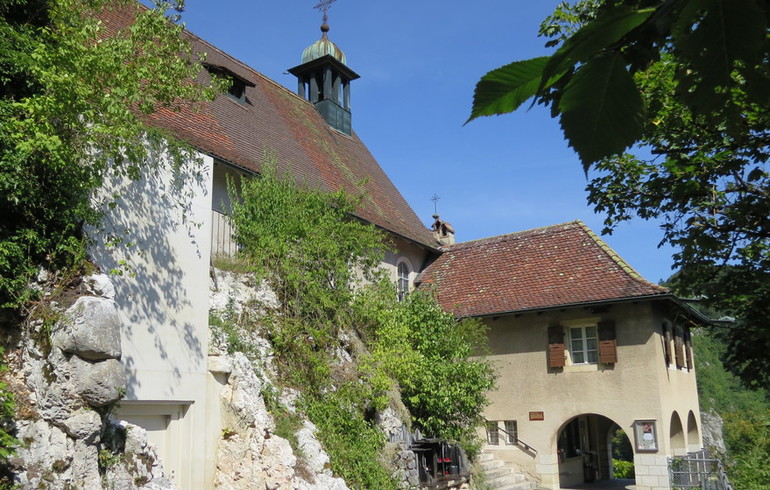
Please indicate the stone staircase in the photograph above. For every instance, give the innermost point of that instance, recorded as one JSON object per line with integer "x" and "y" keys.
{"x": 500, "y": 476}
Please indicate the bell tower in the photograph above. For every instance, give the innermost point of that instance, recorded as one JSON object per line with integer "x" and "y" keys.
{"x": 324, "y": 79}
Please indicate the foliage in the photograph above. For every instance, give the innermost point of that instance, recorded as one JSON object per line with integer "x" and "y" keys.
{"x": 748, "y": 441}
{"x": 718, "y": 389}
{"x": 323, "y": 265}
{"x": 72, "y": 100}
{"x": 623, "y": 469}
{"x": 745, "y": 413}
{"x": 305, "y": 244}
{"x": 688, "y": 82}
{"x": 353, "y": 443}
{"x": 621, "y": 446}
{"x": 720, "y": 47}
{"x": 8, "y": 443}
{"x": 430, "y": 354}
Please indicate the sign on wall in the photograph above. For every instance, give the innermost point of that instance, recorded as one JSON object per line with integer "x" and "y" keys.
{"x": 536, "y": 416}
{"x": 646, "y": 436}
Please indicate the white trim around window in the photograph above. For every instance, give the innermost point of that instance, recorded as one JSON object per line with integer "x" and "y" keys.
{"x": 584, "y": 344}
{"x": 403, "y": 278}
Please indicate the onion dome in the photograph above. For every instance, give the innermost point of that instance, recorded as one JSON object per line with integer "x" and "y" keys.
{"x": 323, "y": 47}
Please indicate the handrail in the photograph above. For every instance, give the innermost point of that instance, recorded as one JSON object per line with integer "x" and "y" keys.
{"x": 518, "y": 441}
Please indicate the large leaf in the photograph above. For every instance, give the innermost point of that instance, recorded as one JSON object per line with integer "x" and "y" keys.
{"x": 601, "y": 109}
{"x": 595, "y": 36}
{"x": 503, "y": 90}
{"x": 714, "y": 35}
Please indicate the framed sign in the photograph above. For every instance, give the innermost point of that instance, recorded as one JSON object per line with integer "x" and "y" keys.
{"x": 536, "y": 416}
{"x": 646, "y": 436}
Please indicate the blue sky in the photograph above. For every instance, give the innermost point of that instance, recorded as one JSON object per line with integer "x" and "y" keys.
{"x": 419, "y": 62}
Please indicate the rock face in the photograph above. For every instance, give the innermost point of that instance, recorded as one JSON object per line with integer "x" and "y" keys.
{"x": 71, "y": 379}
{"x": 250, "y": 454}
{"x": 713, "y": 437}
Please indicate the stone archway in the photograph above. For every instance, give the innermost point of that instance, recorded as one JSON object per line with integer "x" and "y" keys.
{"x": 584, "y": 448}
{"x": 676, "y": 436}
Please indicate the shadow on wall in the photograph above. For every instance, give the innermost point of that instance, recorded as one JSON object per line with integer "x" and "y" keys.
{"x": 155, "y": 245}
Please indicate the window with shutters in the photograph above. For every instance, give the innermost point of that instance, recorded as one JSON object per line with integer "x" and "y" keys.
{"x": 584, "y": 345}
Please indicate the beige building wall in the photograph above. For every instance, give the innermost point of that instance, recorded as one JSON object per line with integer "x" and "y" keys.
{"x": 638, "y": 387}
{"x": 157, "y": 241}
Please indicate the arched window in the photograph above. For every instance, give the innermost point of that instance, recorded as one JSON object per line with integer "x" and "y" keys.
{"x": 402, "y": 284}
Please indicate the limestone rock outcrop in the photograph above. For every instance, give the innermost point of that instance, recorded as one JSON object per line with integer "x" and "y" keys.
{"x": 69, "y": 381}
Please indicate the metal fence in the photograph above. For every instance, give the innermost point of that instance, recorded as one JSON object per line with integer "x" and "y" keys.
{"x": 697, "y": 470}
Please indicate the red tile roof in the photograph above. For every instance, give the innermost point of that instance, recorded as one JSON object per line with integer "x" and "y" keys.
{"x": 557, "y": 265}
{"x": 275, "y": 119}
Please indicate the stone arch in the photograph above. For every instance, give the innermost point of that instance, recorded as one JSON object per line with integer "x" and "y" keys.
{"x": 676, "y": 436}
{"x": 693, "y": 434}
{"x": 584, "y": 448}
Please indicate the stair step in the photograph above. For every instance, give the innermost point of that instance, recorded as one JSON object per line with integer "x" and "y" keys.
{"x": 510, "y": 477}
{"x": 491, "y": 465}
{"x": 498, "y": 473}
{"x": 485, "y": 457}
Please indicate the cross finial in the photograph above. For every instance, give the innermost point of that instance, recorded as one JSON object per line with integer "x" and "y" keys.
{"x": 435, "y": 200}
{"x": 323, "y": 6}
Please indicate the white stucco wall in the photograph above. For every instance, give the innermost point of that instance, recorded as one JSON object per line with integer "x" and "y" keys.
{"x": 161, "y": 266}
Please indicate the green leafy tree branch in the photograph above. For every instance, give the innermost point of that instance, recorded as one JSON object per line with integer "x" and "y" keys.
{"x": 74, "y": 94}
{"x": 687, "y": 83}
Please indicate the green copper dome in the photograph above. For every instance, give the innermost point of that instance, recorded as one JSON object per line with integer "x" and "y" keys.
{"x": 323, "y": 47}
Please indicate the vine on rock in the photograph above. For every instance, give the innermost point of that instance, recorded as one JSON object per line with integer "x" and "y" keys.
{"x": 324, "y": 266}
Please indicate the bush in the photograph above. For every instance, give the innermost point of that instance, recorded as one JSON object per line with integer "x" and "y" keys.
{"x": 623, "y": 469}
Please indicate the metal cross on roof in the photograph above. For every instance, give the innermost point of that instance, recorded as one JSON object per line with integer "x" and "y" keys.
{"x": 323, "y": 6}
{"x": 435, "y": 200}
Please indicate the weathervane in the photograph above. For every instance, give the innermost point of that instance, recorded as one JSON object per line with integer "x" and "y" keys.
{"x": 435, "y": 199}
{"x": 323, "y": 6}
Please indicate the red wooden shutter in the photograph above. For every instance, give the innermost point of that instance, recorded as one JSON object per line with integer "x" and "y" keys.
{"x": 667, "y": 338}
{"x": 608, "y": 348}
{"x": 688, "y": 350}
{"x": 556, "y": 355}
{"x": 679, "y": 346}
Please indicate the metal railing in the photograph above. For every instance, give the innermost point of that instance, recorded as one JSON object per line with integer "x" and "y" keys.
{"x": 698, "y": 470}
{"x": 514, "y": 440}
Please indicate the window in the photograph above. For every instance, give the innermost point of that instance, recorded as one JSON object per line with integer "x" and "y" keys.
{"x": 584, "y": 346}
{"x": 237, "y": 84}
{"x": 402, "y": 286}
{"x": 511, "y": 432}
{"x": 493, "y": 434}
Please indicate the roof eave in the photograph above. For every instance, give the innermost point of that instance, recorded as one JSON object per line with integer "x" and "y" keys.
{"x": 627, "y": 299}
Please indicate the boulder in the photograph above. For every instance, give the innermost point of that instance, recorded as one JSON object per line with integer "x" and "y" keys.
{"x": 90, "y": 329}
{"x": 98, "y": 383}
{"x": 84, "y": 424}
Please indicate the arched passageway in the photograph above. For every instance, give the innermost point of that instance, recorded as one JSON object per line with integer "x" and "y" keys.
{"x": 586, "y": 446}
